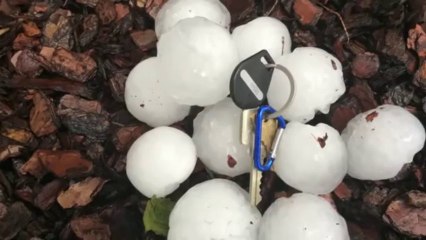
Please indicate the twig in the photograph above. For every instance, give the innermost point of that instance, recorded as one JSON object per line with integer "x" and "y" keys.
{"x": 340, "y": 18}
{"x": 272, "y": 8}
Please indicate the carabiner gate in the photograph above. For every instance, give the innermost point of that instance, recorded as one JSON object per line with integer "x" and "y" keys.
{"x": 257, "y": 154}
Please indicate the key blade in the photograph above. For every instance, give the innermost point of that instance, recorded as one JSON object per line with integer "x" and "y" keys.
{"x": 255, "y": 181}
{"x": 247, "y": 126}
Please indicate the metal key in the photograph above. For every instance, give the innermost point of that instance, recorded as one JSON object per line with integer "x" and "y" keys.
{"x": 268, "y": 138}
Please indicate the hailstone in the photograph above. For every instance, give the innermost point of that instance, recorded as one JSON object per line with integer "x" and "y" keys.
{"x": 160, "y": 160}
{"x": 215, "y": 209}
{"x": 198, "y": 58}
{"x": 312, "y": 159}
{"x": 175, "y": 10}
{"x": 302, "y": 217}
{"x": 145, "y": 99}
{"x": 262, "y": 33}
{"x": 381, "y": 141}
{"x": 217, "y": 138}
{"x": 318, "y": 83}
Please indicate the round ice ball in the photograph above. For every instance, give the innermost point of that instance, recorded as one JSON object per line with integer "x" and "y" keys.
{"x": 145, "y": 99}
{"x": 217, "y": 138}
{"x": 198, "y": 57}
{"x": 262, "y": 33}
{"x": 312, "y": 159}
{"x": 381, "y": 141}
{"x": 160, "y": 160}
{"x": 175, "y": 10}
{"x": 215, "y": 209}
{"x": 318, "y": 83}
{"x": 302, "y": 217}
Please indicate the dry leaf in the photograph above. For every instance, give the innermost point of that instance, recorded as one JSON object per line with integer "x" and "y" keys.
{"x": 81, "y": 193}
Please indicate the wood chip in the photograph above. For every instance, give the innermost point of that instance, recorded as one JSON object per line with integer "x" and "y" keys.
{"x": 5, "y": 110}
{"x": 240, "y": 10}
{"x": 22, "y": 41}
{"x": 90, "y": 3}
{"x": 26, "y": 64}
{"x": 420, "y": 76}
{"x": 43, "y": 120}
{"x": 106, "y": 11}
{"x": 79, "y": 67}
{"x": 18, "y": 134}
{"x": 31, "y": 29}
{"x": 90, "y": 228}
{"x": 153, "y": 6}
{"x": 57, "y": 31}
{"x": 405, "y": 218}
{"x": 417, "y": 199}
{"x": 81, "y": 193}
{"x": 83, "y": 117}
{"x": 125, "y": 136}
{"x": 306, "y": 12}
{"x": 90, "y": 29}
{"x": 48, "y": 194}
{"x": 11, "y": 151}
{"x": 365, "y": 65}
{"x": 122, "y": 10}
{"x": 117, "y": 84}
{"x": 15, "y": 220}
{"x": 66, "y": 163}
{"x": 145, "y": 40}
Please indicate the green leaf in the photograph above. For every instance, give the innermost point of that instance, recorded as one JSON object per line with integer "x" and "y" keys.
{"x": 156, "y": 215}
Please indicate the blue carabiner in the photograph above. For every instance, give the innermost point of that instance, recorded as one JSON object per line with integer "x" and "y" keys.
{"x": 257, "y": 154}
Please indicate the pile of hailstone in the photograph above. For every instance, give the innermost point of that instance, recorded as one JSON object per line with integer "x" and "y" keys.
{"x": 197, "y": 54}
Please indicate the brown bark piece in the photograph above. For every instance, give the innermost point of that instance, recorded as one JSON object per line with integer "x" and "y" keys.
{"x": 106, "y": 11}
{"x": 145, "y": 40}
{"x": 365, "y": 96}
{"x": 117, "y": 84}
{"x": 90, "y": 3}
{"x": 5, "y": 110}
{"x": 26, "y": 64}
{"x": 56, "y": 84}
{"x": 125, "y": 136}
{"x": 81, "y": 193}
{"x": 417, "y": 40}
{"x": 304, "y": 38}
{"x": 343, "y": 111}
{"x": 153, "y": 6}
{"x": 365, "y": 65}
{"x": 11, "y": 151}
{"x": 16, "y": 219}
{"x": 406, "y": 219}
{"x": 394, "y": 45}
{"x": 22, "y": 41}
{"x": 420, "y": 76}
{"x": 90, "y": 228}
{"x": 417, "y": 199}
{"x": 43, "y": 120}
{"x": 240, "y": 10}
{"x": 57, "y": 31}
{"x": 31, "y": 29}
{"x": 122, "y": 10}
{"x": 343, "y": 192}
{"x": 48, "y": 194}
{"x": 61, "y": 163}
{"x": 90, "y": 29}
{"x": 307, "y": 12}
{"x": 79, "y": 67}
{"x": 17, "y": 134}
{"x": 83, "y": 117}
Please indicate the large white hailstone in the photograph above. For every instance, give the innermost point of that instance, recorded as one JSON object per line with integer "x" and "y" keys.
{"x": 215, "y": 209}
{"x": 160, "y": 160}
{"x": 145, "y": 99}
{"x": 318, "y": 83}
{"x": 381, "y": 141}
{"x": 175, "y": 10}
{"x": 262, "y": 33}
{"x": 312, "y": 159}
{"x": 217, "y": 138}
{"x": 198, "y": 58}
{"x": 302, "y": 217}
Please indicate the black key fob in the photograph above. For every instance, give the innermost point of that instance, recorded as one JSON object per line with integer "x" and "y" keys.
{"x": 251, "y": 79}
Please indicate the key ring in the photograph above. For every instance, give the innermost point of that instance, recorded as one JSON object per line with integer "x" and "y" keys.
{"x": 257, "y": 154}
{"x": 292, "y": 87}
